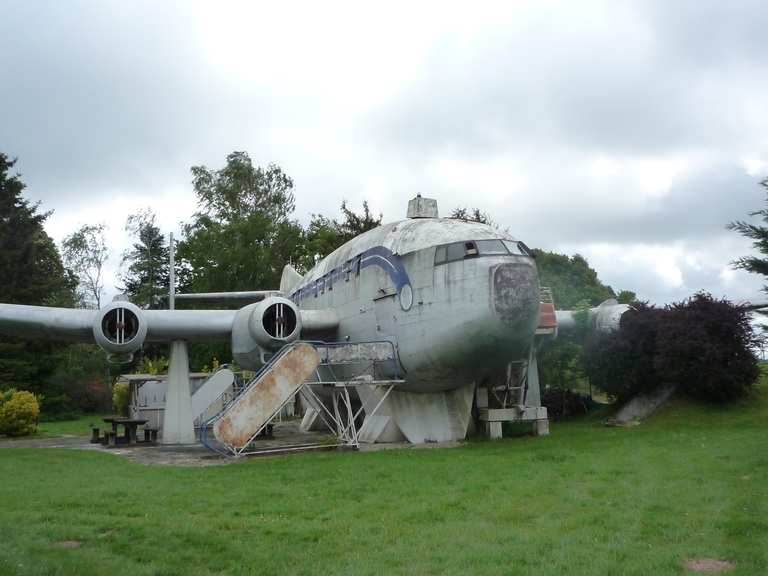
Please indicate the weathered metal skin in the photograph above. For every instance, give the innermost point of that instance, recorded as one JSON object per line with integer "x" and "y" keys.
{"x": 249, "y": 336}
{"x": 120, "y": 328}
{"x": 461, "y": 322}
{"x": 257, "y": 404}
{"x": 452, "y": 323}
{"x": 515, "y": 294}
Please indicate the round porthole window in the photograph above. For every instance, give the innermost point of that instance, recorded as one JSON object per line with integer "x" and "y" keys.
{"x": 406, "y": 297}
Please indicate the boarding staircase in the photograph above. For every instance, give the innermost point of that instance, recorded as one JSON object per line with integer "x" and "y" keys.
{"x": 300, "y": 367}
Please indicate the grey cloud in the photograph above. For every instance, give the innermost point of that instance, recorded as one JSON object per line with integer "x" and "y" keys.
{"x": 103, "y": 98}
{"x": 645, "y": 82}
{"x": 696, "y": 208}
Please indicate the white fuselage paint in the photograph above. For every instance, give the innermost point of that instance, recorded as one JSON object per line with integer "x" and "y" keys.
{"x": 452, "y": 324}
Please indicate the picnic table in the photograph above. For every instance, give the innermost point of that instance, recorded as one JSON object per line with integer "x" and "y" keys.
{"x": 129, "y": 425}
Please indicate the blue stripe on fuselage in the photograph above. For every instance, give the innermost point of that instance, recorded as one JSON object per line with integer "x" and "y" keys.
{"x": 379, "y": 256}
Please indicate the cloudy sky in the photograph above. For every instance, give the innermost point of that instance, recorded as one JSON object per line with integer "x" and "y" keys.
{"x": 629, "y": 132}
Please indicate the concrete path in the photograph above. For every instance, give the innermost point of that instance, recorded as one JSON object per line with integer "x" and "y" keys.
{"x": 286, "y": 433}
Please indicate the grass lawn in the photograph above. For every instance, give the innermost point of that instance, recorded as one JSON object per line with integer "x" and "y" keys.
{"x": 692, "y": 482}
{"x": 79, "y": 427}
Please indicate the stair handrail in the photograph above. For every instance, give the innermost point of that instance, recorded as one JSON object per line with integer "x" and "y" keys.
{"x": 263, "y": 369}
{"x": 227, "y": 405}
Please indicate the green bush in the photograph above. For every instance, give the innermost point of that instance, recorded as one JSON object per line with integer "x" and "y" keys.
{"x": 56, "y": 407}
{"x": 120, "y": 398}
{"x": 563, "y": 403}
{"x": 19, "y": 411}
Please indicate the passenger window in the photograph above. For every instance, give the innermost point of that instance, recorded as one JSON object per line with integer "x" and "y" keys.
{"x": 358, "y": 262}
{"x": 440, "y": 255}
{"x": 489, "y": 247}
{"x": 471, "y": 248}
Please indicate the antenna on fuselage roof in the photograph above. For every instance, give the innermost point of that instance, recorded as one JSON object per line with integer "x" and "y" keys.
{"x": 422, "y": 207}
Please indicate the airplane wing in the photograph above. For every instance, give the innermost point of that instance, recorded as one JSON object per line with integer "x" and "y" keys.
{"x": 230, "y": 297}
{"x": 45, "y": 322}
{"x": 121, "y": 328}
{"x": 266, "y": 322}
{"x": 80, "y": 325}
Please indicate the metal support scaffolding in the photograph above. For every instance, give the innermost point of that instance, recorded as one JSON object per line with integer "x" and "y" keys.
{"x": 336, "y": 408}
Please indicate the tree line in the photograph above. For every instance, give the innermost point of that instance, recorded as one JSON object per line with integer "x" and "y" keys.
{"x": 242, "y": 234}
{"x": 240, "y": 237}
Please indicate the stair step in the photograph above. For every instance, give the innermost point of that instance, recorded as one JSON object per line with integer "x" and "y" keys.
{"x": 260, "y": 401}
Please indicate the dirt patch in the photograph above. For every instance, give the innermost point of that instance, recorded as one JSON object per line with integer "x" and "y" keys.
{"x": 67, "y": 544}
{"x": 708, "y": 565}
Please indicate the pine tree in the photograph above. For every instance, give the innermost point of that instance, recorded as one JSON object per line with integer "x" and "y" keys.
{"x": 32, "y": 273}
{"x": 146, "y": 279}
{"x": 759, "y": 235}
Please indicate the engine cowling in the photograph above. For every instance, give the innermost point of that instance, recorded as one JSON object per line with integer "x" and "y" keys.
{"x": 604, "y": 319}
{"x": 264, "y": 327}
{"x": 120, "y": 330}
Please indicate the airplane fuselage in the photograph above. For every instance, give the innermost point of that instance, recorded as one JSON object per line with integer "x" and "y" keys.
{"x": 459, "y": 300}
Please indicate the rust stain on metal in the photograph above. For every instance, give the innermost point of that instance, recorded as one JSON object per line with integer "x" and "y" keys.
{"x": 260, "y": 401}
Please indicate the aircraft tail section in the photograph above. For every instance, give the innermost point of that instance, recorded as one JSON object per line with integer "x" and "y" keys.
{"x": 290, "y": 279}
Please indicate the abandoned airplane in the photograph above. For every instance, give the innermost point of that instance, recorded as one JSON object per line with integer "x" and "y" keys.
{"x": 458, "y": 303}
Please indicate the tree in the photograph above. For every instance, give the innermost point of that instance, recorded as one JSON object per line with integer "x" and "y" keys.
{"x": 79, "y": 383}
{"x": 473, "y": 215}
{"x": 703, "y": 345}
{"x": 30, "y": 265}
{"x": 324, "y": 235}
{"x": 242, "y": 236}
{"x": 355, "y": 224}
{"x": 146, "y": 279}
{"x": 575, "y": 286}
{"x": 626, "y": 297}
{"x": 759, "y": 235}
{"x": 85, "y": 252}
{"x": 32, "y": 273}
{"x": 573, "y": 281}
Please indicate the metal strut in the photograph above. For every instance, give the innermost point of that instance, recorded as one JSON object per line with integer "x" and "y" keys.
{"x": 338, "y": 416}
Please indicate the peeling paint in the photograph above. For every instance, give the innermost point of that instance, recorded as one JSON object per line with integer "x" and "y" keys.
{"x": 258, "y": 403}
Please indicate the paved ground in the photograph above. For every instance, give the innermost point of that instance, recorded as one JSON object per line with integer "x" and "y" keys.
{"x": 285, "y": 434}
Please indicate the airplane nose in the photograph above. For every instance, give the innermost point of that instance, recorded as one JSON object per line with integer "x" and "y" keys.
{"x": 515, "y": 295}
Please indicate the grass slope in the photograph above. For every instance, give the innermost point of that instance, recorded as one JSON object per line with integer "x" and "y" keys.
{"x": 693, "y": 482}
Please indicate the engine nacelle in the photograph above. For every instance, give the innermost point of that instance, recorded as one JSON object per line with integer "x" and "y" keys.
{"x": 120, "y": 329}
{"x": 262, "y": 328}
{"x": 604, "y": 319}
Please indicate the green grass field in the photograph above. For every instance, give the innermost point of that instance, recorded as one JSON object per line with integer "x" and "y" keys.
{"x": 79, "y": 427}
{"x": 692, "y": 482}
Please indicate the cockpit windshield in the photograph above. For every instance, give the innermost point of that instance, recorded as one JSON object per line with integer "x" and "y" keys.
{"x": 474, "y": 248}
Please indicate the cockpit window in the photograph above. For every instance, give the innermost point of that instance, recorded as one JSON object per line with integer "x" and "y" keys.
{"x": 518, "y": 248}
{"x": 489, "y": 247}
{"x": 473, "y": 248}
{"x": 454, "y": 251}
{"x": 514, "y": 248}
